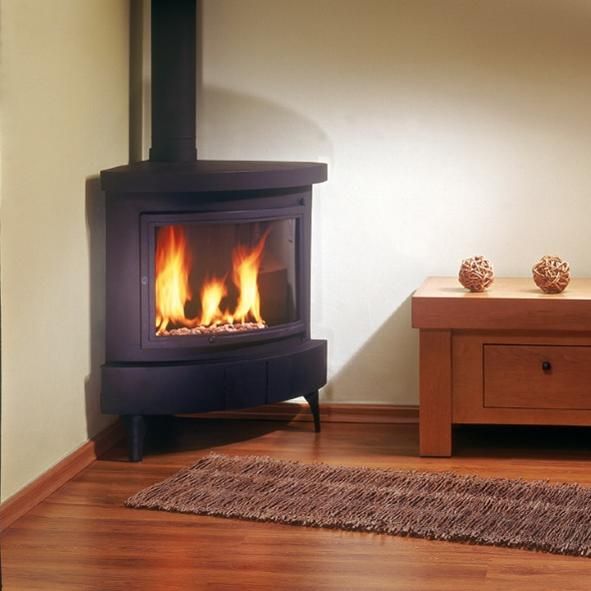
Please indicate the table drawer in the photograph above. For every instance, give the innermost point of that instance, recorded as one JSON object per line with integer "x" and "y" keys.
{"x": 537, "y": 376}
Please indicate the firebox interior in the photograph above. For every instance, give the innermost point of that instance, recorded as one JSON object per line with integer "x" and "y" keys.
{"x": 224, "y": 277}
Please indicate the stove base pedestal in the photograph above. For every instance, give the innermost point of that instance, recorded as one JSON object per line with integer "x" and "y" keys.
{"x": 137, "y": 390}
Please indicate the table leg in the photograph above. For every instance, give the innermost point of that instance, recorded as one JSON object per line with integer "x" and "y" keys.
{"x": 435, "y": 385}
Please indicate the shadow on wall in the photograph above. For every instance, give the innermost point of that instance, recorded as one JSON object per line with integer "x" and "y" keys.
{"x": 387, "y": 361}
{"x": 259, "y": 128}
{"x": 95, "y": 226}
{"x": 233, "y": 125}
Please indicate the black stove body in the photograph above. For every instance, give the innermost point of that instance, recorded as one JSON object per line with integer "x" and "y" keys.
{"x": 206, "y": 356}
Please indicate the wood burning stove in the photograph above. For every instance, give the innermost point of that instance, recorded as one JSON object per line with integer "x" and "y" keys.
{"x": 208, "y": 264}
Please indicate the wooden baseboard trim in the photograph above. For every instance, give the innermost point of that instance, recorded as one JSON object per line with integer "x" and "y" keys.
{"x": 329, "y": 413}
{"x": 38, "y": 490}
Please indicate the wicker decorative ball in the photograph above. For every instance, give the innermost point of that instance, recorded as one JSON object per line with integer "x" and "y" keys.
{"x": 551, "y": 274}
{"x": 476, "y": 273}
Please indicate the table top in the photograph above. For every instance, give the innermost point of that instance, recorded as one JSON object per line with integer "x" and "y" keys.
{"x": 510, "y": 303}
{"x": 503, "y": 288}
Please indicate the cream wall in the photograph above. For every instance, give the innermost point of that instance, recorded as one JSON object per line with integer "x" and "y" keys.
{"x": 64, "y": 84}
{"x": 451, "y": 128}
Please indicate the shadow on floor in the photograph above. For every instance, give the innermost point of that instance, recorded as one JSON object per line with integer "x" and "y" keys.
{"x": 514, "y": 441}
{"x": 170, "y": 434}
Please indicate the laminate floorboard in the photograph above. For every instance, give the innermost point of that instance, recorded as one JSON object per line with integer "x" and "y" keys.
{"x": 82, "y": 538}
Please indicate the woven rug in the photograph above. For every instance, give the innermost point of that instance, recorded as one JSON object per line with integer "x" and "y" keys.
{"x": 442, "y": 506}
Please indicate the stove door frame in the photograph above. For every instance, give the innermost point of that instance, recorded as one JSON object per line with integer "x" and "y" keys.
{"x": 148, "y": 223}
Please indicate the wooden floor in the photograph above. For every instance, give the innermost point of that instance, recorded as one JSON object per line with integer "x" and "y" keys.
{"x": 82, "y": 537}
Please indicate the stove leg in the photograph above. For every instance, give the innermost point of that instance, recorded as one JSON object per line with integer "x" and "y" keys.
{"x": 136, "y": 431}
{"x": 312, "y": 400}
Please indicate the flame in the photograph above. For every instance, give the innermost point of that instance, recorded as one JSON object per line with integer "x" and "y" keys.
{"x": 246, "y": 265}
{"x": 173, "y": 263}
{"x": 173, "y": 290}
{"x": 211, "y": 296}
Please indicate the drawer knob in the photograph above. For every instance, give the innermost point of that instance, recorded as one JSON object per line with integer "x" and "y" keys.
{"x": 546, "y": 365}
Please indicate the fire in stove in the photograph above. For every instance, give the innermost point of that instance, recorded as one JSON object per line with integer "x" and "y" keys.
{"x": 228, "y": 303}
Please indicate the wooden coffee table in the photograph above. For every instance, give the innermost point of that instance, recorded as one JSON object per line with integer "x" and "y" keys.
{"x": 509, "y": 355}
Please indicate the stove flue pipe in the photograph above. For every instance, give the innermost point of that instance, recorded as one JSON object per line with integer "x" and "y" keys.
{"x": 173, "y": 81}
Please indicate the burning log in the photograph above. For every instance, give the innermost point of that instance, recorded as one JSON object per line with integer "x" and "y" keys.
{"x": 214, "y": 330}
